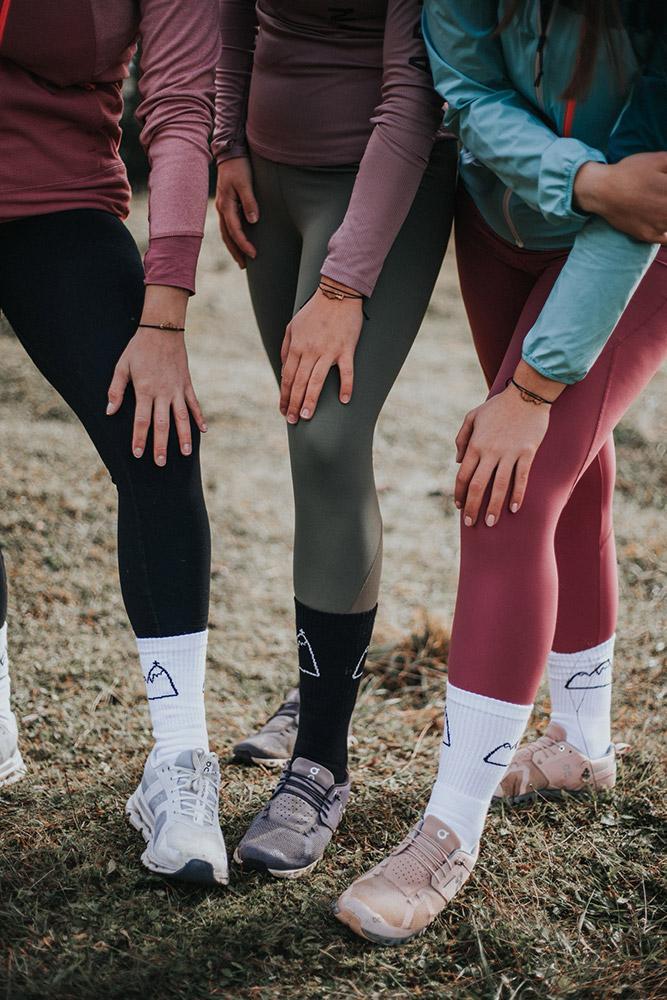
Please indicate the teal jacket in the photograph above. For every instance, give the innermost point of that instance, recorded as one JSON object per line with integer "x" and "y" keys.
{"x": 522, "y": 146}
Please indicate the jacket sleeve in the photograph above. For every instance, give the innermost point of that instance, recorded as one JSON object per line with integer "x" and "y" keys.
{"x": 605, "y": 265}
{"x": 502, "y": 130}
{"x": 179, "y": 51}
{"x": 398, "y": 150}
{"x": 232, "y": 78}
{"x": 492, "y": 120}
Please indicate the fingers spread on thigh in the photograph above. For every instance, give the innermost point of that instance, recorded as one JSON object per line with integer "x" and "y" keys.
{"x": 299, "y": 385}
{"x": 476, "y": 490}
{"x": 501, "y": 483}
{"x": 142, "y": 421}
{"x": 182, "y": 422}
{"x": 464, "y": 475}
{"x": 314, "y": 388}
{"x": 161, "y": 411}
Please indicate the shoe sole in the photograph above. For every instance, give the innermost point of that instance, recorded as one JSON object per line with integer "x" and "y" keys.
{"x": 12, "y": 770}
{"x": 356, "y": 922}
{"x": 260, "y": 866}
{"x": 196, "y": 871}
{"x": 247, "y": 758}
{"x": 551, "y": 795}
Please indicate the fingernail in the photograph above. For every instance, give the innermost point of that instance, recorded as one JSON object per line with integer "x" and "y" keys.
{"x": 109, "y": 408}
{"x": 458, "y": 504}
{"x": 305, "y": 413}
{"x": 490, "y": 520}
{"x": 161, "y": 460}
{"x": 252, "y": 217}
{"x": 514, "y": 508}
{"x": 291, "y": 418}
{"x": 345, "y": 399}
{"x": 283, "y": 410}
{"x": 187, "y": 449}
{"x": 138, "y": 452}
{"x": 204, "y": 428}
{"x": 467, "y": 520}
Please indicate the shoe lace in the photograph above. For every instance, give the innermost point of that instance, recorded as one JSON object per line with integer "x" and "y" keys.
{"x": 197, "y": 791}
{"x": 306, "y": 789}
{"x": 428, "y": 853}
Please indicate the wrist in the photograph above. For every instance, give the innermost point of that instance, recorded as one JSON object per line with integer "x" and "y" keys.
{"x": 536, "y": 383}
{"x": 165, "y": 305}
{"x": 588, "y": 193}
{"x": 340, "y": 286}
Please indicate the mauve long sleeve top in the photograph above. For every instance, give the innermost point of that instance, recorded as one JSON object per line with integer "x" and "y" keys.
{"x": 311, "y": 84}
{"x": 62, "y": 63}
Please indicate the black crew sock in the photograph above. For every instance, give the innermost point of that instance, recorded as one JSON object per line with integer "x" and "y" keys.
{"x": 332, "y": 653}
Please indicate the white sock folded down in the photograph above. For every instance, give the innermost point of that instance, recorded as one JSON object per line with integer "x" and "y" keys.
{"x": 580, "y": 689}
{"x": 480, "y": 738}
{"x": 174, "y": 670}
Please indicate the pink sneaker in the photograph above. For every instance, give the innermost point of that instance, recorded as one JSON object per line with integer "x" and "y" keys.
{"x": 402, "y": 895}
{"x": 550, "y": 766}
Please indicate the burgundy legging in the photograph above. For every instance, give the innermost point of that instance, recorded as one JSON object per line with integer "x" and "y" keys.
{"x": 545, "y": 578}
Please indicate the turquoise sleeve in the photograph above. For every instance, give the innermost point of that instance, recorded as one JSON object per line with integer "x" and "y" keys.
{"x": 489, "y": 116}
{"x": 589, "y": 297}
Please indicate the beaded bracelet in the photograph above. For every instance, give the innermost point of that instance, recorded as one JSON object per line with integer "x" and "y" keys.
{"x": 162, "y": 326}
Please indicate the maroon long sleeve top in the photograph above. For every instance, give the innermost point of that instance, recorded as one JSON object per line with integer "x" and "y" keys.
{"x": 62, "y": 63}
{"x": 311, "y": 84}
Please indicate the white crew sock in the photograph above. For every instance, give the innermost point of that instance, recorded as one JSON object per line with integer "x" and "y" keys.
{"x": 174, "y": 669}
{"x": 580, "y": 687}
{"x": 5, "y": 686}
{"x": 480, "y": 737}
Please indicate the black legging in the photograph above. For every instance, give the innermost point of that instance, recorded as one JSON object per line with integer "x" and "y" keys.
{"x": 71, "y": 285}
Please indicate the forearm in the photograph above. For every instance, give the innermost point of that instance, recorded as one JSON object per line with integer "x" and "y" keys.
{"x": 165, "y": 305}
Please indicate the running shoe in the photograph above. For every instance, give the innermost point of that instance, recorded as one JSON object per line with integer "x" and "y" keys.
{"x": 175, "y": 808}
{"x": 549, "y": 767}
{"x": 291, "y": 833}
{"x": 12, "y": 768}
{"x": 273, "y": 744}
{"x": 401, "y": 896}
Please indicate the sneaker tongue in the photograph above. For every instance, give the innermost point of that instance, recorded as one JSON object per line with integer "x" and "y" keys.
{"x": 313, "y": 771}
{"x": 555, "y": 732}
{"x": 191, "y": 759}
{"x": 440, "y": 834}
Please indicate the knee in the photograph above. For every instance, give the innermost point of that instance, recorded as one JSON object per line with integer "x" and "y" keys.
{"x": 325, "y": 452}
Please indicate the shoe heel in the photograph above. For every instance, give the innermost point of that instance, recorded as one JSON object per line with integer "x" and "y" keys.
{"x": 13, "y": 770}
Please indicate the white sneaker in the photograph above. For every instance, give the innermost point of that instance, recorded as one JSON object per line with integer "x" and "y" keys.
{"x": 12, "y": 767}
{"x": 176, "y": 809}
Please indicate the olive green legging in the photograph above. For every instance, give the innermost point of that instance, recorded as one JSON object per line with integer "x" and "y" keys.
{"x": 338, "y": 530}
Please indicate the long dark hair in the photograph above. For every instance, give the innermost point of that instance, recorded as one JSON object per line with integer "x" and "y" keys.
{"x": 599, "y": 18}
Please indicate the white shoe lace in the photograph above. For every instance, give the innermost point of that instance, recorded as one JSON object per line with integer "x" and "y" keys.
{"x": 198, "y": 791}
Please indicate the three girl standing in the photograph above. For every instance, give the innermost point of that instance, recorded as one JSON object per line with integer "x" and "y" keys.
{"x": 326, "y": 136}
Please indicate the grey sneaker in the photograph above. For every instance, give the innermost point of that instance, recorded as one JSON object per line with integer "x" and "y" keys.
{"x": 291, "y": 833}
{"x": 273, "y": 744}
{"x": 175, "y": 808}
{"x": 12, "y": 767}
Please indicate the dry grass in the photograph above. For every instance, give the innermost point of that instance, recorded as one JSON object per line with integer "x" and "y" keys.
{"x": 567, "y": 901}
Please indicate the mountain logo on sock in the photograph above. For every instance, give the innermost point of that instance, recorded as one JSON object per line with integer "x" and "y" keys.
{"x": 359, "y": 669}
{"x": 501, "y": 755}
{"x": 447, "y": 738}
{"x": 590, "y": 680}
{"x": 302, "y": 641}
{"x": 3, "y": 666}
{"x": 159, "y": 683}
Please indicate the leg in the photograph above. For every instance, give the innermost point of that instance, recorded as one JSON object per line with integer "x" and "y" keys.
{"x": 71, "y": 285}
{"x": 338, "y": 525}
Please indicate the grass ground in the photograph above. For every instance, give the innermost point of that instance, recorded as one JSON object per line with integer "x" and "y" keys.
{"x": 566, "y": 901}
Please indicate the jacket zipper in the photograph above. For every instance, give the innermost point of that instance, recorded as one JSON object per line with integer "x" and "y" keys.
{"x": 508, "y": 217}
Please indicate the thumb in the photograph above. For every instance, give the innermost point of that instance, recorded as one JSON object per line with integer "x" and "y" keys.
{"x": 121, "y": 377}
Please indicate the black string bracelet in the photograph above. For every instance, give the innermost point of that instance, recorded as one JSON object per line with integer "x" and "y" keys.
{"x": 527, "y": 395}
{"x": 332, "y": 292}
{"x": 162, "y": 326}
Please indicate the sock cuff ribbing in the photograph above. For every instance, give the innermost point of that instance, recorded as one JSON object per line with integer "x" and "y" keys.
{"x": 491, "y": 706}
{"x": 605, "y": 650}
{"x": 191, "y": 642}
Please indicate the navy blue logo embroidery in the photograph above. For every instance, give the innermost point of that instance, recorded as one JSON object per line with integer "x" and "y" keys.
{"x": 447, "y": 738}
{"x": 590, "y": 680}
{"x": 502, "y": 755}
{"x": 304, "y": 666}
{"x": 159, "y": 683}
{"x": 4, "y": 670}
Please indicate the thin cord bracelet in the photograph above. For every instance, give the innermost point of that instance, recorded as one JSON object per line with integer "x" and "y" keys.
{"x": 527, "y": 395}
{"x": 332, "y": 292}
{"x": 162, "y": 326}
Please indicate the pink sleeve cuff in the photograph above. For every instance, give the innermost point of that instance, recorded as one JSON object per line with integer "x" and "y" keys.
{"x": 172, "y": 260}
